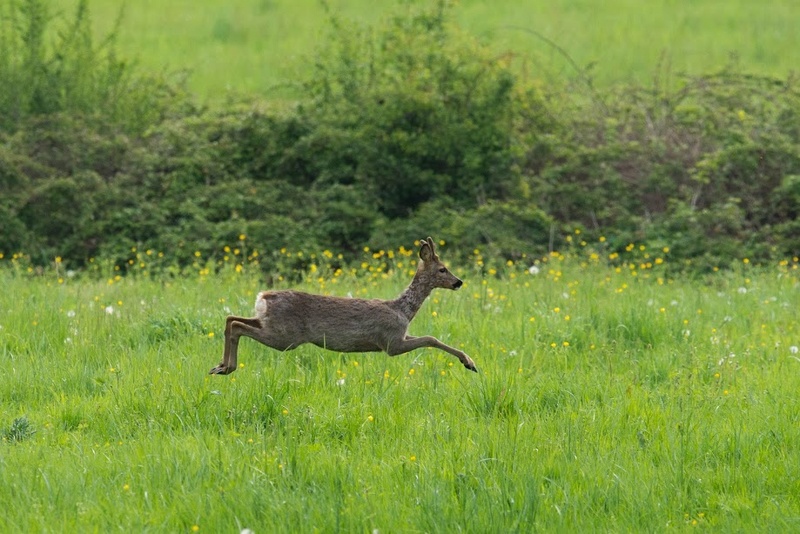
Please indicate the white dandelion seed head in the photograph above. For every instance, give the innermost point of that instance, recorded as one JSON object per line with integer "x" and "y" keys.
{"x": 742, "y": 290}
{"x": 109, "y": 310}
{"x": 340, "y": 382}
{"x": 71, "y": 314}
{"x": 534, "y": 270}
{"x": 793, "y": 349}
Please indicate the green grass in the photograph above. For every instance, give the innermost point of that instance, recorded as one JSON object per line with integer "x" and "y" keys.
{"x": 267, "y": 47}
{"x": 608, "y": 400}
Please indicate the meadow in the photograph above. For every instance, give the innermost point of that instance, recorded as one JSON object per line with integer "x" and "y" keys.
{"x": 267, "y": 47}
{"x": 619, "y": 388}
{"x": 613, "y": 395}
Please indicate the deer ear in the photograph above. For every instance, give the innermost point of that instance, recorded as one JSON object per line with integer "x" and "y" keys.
{"x": 431, "y": 250}
{"x": 425, "y": 251}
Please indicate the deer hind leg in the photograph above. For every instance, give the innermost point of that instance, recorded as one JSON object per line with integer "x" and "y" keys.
{"x": 410, "y": 343}
{"x": 236, "y": 327}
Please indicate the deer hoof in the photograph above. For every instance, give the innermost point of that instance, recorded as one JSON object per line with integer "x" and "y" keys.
{"x": 471, "y": 366}
{"x": 220, "y": 370}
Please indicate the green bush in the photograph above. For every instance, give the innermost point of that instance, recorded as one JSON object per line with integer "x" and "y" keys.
{"x": 414, "y": 111}
{"x": 501, "y": 230}
{"x": 14, "y": 183}
{"x": 59, "y": 213}
{"x": 407, "y": 129}
{"x": 648, "y": 161}
{"x": 48, "y": 68}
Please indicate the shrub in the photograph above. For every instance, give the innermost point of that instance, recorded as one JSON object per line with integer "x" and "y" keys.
{"x": 14, "y": 183}
{"x": 415, "y": 111}
{"x": 72, "y": 74}
{"x": 406, "y": 130}
{"x": 501, "y": 230}
{"x": 647, "y": 161}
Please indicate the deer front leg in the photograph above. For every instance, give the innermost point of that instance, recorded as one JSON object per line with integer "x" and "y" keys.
{"x": 235, "y": 327}
{"x": 410, "y": 343}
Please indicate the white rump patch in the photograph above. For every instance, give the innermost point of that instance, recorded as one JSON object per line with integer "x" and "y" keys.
{"x": 261, "y": 305}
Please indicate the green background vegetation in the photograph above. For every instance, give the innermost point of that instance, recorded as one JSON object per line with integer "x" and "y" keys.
{"x": 399, "y": 128}
{"x": 607, "y": 203}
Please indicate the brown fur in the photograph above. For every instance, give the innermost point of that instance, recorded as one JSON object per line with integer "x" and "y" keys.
{"x": 287, "y": 319}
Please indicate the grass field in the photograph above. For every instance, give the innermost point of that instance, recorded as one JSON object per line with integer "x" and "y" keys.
{"x": 266, "y": 47}
{"x": 609, "y": 399}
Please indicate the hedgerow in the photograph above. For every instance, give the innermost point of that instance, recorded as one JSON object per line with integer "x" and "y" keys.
{"x": 406, "y": 129}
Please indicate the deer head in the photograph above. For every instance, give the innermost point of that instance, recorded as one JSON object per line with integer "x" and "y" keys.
{"x": 433, "y": 272}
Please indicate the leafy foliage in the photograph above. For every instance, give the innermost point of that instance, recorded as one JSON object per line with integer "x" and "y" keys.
{"x": 42, "y": 76}
{"x": 425, "y": 109}
{"x": 406, "y": 129}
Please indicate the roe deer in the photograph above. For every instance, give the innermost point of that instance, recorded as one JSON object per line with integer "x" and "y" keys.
{"x": 287, "y": 319}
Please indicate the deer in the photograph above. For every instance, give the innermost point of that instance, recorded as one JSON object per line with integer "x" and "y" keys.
{"x": 286, "y": 319}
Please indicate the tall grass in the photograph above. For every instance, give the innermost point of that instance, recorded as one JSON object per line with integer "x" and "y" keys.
{"x": 268, "y": 47}
{"x": 610, "y": 397}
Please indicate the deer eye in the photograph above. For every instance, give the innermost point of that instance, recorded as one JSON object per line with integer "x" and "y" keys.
{"x": 443, "y": 270}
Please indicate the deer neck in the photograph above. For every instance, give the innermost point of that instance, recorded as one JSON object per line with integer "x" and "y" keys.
{"x": 410, "y": 301}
